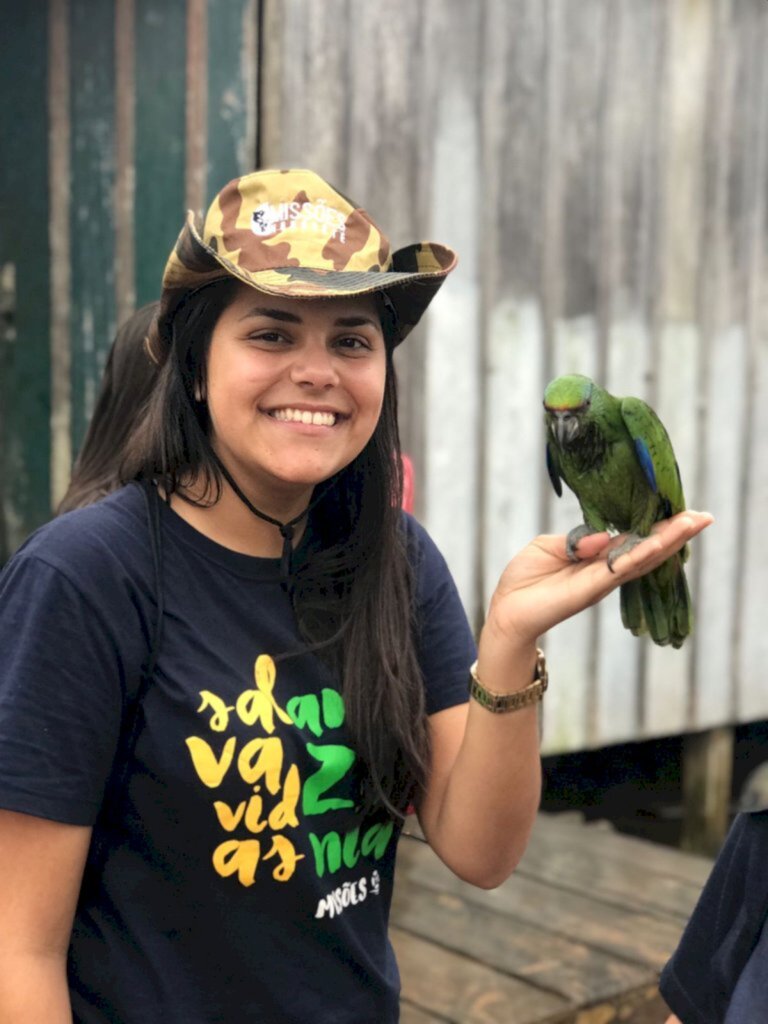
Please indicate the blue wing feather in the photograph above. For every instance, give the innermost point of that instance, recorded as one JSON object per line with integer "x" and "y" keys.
{"x": 653, "y": 451}
{"x": 645, "y": 460}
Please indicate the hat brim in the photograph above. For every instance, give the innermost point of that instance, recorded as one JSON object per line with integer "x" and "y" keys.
{"x": 417, "y": 272}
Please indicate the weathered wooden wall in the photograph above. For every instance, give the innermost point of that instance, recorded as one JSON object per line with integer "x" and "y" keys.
{"x": 601, "y": 168}
{"x": 116, "y": 117}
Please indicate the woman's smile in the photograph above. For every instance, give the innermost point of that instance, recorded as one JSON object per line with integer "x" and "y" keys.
{"x": 306, "y": 416}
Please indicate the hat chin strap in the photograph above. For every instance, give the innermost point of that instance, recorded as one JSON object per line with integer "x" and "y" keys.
{"x": 286, "y": 529}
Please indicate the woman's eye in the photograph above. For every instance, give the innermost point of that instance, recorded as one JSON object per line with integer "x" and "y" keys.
{"x": 268, "y": 337}
{"x": 353, "y": 344}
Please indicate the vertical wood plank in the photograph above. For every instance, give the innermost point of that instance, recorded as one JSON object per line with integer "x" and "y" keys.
{"x": 515, "y": 445}
{"x": 453, "y": 388}
{"x": 744, "y": 27}
{"x": 565, "y": 719}
{"x": 623, "y": 342}
{"x": 512, "y": 440}
{"x": 272, "y": 125}
{"x": 159, "y": 211}
{"x": 307, "y": 89}
{"x": 125, "y": 167}
{"x": 390, "y": 156}
{"x": 232, "y": 92}
{"x": 92, "y": 222}
{"x": 674, "y": 359}
{"x": 676, "y": 326}
{"x": 7, "y": 341}
{"x": 751, "y": 640}
{"x": 752, "y": 650}
{"x": 24, "y": 255}
{"x": 196, "y": 121}
{"x": 59, "y": 142}
{"x": 575, "y": 58}
{"x": 723, "y": 386}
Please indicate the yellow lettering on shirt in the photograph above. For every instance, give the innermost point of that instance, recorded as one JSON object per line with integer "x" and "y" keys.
{"x": 259, "y": 705}
{"x": 283, "y": 848}
{"x": 237, "y": 857}
{"x": 262, "y": 759}
{"x": 211, "y": 769}
{"x": 229, "y": 819}
{"x": 284, "y": 814}
{"x": 220, "y": 718}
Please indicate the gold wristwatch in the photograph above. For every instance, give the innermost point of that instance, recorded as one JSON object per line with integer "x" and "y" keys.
{"x": 500, "y": 703}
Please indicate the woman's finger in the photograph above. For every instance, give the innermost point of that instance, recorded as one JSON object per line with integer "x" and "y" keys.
{"x": 667, "y": 537}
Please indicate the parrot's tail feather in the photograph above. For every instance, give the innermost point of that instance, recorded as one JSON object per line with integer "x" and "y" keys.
{"x": 632, "y": 614}
{"x": 659, "y": 612}
{"x": 659, "y": 604}
{"x": 683, "y": 609}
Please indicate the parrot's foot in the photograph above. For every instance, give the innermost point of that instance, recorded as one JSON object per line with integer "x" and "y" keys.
{"x": 574, "y": 536}
{"x": 629, "y": 542}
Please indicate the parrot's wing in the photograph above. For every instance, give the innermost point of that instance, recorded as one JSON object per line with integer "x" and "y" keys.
{"x": 654, "y": 452}
{"x": 553, "y": 468}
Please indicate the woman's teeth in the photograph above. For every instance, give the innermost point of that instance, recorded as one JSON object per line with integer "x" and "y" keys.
{"x": 317, "y": 419}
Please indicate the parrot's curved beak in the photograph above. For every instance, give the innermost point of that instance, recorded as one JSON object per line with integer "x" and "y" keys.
{"x": 565, "y": 426}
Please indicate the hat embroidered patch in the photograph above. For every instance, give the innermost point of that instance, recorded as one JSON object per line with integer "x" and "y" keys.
{"x": 267, "y": 219}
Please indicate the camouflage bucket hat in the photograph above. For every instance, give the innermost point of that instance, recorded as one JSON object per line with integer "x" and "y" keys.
{"x": 290, "y": 233}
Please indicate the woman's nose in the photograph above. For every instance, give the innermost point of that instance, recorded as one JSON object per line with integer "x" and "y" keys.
{"x": 313, "y": 366}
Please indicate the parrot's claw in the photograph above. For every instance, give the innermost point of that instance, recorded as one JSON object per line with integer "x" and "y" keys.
{"x": 574, "y": 536}
{"x": 629, "y": 542}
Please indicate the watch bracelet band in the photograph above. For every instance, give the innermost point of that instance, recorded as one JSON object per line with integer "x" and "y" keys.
{"x": 501, "y": 703}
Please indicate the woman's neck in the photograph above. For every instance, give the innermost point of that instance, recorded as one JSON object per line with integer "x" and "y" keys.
{"x": 231, "y": 523}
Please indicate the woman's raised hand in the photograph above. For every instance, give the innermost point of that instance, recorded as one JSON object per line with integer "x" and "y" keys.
{"x": 541, "y": 586}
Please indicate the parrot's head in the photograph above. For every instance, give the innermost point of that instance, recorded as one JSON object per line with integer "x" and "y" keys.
{"x": 567, "y": 404}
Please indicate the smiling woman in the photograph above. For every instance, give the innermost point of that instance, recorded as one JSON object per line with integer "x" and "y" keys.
{"x": 244, "y": 697}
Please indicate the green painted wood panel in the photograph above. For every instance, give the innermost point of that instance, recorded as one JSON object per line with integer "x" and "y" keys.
{"x": 160, "y": 138}
{"x": 24, "y": 358}
{"x": 92, "y": 227}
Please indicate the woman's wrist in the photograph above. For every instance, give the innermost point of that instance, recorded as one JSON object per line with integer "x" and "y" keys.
{"x": 516, "y": 700}
{"x": 504, "y": 666}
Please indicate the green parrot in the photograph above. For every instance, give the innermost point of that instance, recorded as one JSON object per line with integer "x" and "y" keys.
{"x": 616, "y": 457}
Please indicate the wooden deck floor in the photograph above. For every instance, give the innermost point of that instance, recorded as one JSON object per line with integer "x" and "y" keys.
{"x": 578, "y": 934}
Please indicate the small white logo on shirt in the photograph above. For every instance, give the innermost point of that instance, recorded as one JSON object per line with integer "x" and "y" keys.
{"x": 348, "y": 894}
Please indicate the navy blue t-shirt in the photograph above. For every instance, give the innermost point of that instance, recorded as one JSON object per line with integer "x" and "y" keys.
{"x": 719, "y": 972}
{"x": 237, "y": 879}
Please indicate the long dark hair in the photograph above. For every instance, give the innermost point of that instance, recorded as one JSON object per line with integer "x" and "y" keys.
{"x": 353, "y": 596}
{"x": 128, "y": 378}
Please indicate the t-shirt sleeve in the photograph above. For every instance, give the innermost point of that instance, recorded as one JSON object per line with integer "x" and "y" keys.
{"x": 699, "y": 980}
{"x": 61, "y": 687}
{"x": 446, "y": 644}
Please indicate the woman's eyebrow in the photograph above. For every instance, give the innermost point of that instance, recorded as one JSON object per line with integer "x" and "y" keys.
{"x": 358, "y": 320}
{"x": 273, "y": 314}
